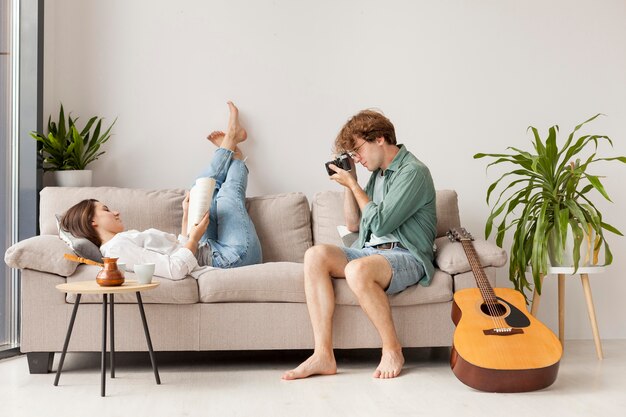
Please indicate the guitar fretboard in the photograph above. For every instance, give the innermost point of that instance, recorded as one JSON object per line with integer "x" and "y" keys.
{"x": 481, "y": 279}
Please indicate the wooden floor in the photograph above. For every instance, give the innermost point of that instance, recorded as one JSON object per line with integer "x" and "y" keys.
{"x": 249, "y": 384}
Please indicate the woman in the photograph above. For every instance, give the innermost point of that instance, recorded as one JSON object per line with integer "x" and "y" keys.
{"x": 224, "y": 238}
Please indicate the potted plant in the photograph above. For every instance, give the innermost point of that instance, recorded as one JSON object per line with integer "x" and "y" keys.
{"x": 67, "y": 150}
{"x": 545, "y": 198}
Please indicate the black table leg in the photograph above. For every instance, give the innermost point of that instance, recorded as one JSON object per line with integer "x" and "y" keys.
{"x": 104, "y": 346}
{"x": 112, "y": 334}
{"x": 147, "y": 332}
{"x": 67, "y": 339}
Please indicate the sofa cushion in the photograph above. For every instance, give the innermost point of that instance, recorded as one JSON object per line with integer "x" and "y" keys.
{"x": 184, "y": 291}
{"x": 283, "y": 224}
{"x": 267, "y": 282}
{"x": 327, "y": 214}
{"x": 41, "y": 253}
{"x": 139, "y": 209}
{"x": 284, "y": 282}
{"x": 450, "y": 256}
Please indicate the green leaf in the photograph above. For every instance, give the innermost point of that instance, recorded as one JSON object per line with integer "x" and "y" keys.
{"x": 611, "y": 229}
{"x": 66, "y": 146}
{"x": 595, "y": 181}
{"x": 552, "y": 193}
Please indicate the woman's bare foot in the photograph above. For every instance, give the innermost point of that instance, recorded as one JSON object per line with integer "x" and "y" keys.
{"x": 217, "y": 138}
{"x": 390, "y": 364}
{"x": 235, "y": 133}
{"x": 317, "y": 364}
{"x": 235, "y": 130}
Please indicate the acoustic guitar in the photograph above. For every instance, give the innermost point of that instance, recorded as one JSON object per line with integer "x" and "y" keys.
{"x": 498, "y": 346}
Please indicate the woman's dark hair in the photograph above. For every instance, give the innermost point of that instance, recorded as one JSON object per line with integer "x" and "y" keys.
{"x": 77, "y": 220}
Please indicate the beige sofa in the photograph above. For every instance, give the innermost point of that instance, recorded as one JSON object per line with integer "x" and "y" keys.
{"x": 255, "y": 307}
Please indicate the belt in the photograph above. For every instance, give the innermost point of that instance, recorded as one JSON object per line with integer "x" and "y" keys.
{"x": 388, "y": 246}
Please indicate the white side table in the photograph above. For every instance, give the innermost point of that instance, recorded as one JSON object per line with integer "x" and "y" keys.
{"x": 584, "y": 273}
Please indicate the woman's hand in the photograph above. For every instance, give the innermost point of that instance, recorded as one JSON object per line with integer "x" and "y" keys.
{"x": 198, "y": 229}
{"x": 186, "y": 204}
{"x": 183, "y": 226}
{"x": 196, "y": 233}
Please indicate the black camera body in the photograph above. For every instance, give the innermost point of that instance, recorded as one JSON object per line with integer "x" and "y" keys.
{"x": 342, "y": 161}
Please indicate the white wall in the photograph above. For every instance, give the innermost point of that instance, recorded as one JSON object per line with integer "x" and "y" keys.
{"x": 456, "y": 78}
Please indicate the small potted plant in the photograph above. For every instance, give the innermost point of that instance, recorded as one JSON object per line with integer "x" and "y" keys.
{"x": 545, "y": 199}
{"x": 67, "y": 150}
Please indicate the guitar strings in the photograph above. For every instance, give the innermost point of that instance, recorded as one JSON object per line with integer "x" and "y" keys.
{"x": 491, "y": 301}
{"x": 485, "y": 288}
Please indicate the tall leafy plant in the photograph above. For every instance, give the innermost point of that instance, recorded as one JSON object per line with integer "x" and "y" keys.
{"x": 546, "y": 192}
{"x": 66, "y": 146}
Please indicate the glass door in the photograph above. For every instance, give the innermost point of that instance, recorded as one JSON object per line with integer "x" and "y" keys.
{"x": 8, "y": 309}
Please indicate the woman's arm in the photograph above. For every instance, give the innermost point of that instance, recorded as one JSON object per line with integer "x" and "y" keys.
{"x": 196, "y": 233}
{"x": 183, "y": 228}
{"x": 175, "y": 266}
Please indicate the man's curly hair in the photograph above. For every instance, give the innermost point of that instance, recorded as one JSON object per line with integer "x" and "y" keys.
{"x": 368, "y": 125}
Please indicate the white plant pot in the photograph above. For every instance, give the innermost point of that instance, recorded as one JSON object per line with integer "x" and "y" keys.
{"x": 73, "y": 178}
{"x": 567, "y": 259}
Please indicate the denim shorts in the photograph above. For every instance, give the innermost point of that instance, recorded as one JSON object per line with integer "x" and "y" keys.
{"x": 406, "y": 269}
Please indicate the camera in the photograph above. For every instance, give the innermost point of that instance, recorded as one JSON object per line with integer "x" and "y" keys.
{"x": 342, "y": 161}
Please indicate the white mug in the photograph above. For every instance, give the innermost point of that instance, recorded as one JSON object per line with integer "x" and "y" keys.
{"x": 144, "y": 273}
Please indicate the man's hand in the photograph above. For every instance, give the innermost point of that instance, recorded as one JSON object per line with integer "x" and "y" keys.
{"x": 343, "y": 177}
{"x": 348, "y": 180}
{"x": 352, "y": 167}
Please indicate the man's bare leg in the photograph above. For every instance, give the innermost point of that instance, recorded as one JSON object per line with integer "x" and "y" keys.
{"x": 321, "y": 264}
{"x": 368, "y": 277}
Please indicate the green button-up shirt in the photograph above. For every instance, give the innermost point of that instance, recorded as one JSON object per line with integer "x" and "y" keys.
{"x": 407, "y": 210}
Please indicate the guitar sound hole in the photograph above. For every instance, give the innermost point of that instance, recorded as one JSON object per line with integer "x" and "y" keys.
{"x": 494, "y": 310}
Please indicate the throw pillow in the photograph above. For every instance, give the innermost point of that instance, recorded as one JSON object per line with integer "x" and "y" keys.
{"x": 81, "y": 246}
{"x": 450, "y": 256}
{"x": 41, "y": 253}
{"x": 347, "y": 237}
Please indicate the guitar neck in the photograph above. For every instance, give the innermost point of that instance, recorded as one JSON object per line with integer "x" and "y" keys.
{"x": 481, "y": 279}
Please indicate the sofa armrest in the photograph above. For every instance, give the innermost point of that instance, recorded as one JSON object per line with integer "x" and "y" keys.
{"x": 41, "y": 253}
{"x": 450, "y": 256}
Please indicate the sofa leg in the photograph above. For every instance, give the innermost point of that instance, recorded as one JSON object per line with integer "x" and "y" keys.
{"x": 40, "y": 362}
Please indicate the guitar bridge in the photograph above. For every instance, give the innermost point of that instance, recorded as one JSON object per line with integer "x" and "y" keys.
{"x": 502, "y": 331}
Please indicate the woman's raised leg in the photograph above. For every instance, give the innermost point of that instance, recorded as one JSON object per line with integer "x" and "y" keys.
{"x": 220, "y": 163}
{"x": 237, "y": 243}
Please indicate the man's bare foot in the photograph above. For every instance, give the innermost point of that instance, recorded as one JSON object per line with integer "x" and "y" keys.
{"x": 235, "y": 130}
{"x": 317, "y": 364}
{"x": 390, "y": 364}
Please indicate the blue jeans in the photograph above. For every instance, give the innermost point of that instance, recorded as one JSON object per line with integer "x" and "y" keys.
{"x": 230, "y": 239}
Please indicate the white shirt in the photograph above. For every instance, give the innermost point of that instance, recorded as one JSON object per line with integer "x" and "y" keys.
{"x": 170, "y": 257}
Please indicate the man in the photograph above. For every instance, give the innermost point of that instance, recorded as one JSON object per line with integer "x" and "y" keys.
{"x": 396, "y": 220}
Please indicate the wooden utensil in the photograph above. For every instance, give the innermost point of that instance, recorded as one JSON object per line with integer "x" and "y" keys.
{"x": 78, "y": 259}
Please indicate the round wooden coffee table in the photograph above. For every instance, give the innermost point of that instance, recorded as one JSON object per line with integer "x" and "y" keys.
{"x": 91, "y": 287}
